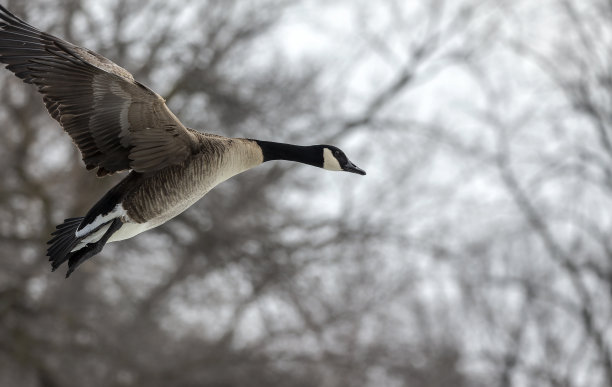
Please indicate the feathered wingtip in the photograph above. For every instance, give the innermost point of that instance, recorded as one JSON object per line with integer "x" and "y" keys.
{"x": 7, "y": 17}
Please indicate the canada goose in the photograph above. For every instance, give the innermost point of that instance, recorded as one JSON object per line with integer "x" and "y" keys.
{"x": 119, "y": 124}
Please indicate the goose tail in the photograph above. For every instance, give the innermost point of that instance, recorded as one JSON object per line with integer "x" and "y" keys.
{"x": 68, "y": 245}
{"x": 63, "y": 241}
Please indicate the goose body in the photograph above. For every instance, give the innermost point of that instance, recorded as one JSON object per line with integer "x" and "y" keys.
{"x": 145, "y": 201}
{"x": 119, "y": 124}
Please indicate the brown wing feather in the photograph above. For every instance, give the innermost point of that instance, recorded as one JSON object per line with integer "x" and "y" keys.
{"x": 116, "y": 122}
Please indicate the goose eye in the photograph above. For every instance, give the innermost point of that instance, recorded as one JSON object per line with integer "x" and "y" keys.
{"x": 336, "y": 153}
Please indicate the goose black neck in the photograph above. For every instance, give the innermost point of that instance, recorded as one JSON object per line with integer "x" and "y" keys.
{"x": 311, "y": 155}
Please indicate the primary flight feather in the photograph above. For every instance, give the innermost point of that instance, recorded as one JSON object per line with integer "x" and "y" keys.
{"x": 119, "y": 124}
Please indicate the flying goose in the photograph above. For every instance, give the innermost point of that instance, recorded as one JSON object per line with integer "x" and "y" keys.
{"x": 119, "y": 124}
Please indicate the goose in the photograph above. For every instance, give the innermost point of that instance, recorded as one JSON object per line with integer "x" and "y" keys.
{"x": 119, "y": 125}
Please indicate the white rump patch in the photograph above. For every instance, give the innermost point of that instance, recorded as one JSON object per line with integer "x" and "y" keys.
{"x": 92, "y": 238}
{"x": 117, "y": 212}
{"x": 329, "y": 161}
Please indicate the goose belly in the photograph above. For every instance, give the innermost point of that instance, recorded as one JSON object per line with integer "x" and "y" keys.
{"x": 129, "y": 230}
{"x": 161, "y": 197}
{"x": 132, "y": 228}
{"x": 159, "y": 200}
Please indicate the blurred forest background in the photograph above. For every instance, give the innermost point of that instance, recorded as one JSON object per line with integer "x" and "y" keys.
{"x": 476, "y": 252}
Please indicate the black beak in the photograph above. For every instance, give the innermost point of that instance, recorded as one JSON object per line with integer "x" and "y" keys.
{"x": 350, "y": 167}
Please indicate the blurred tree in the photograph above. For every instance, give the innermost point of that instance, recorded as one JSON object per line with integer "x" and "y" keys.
{"x": 475, "y": 252}
{"x": 242, "y": 289}
{"x": 537, "y": 259}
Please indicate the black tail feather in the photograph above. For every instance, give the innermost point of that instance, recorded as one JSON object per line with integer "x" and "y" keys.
{"x": 64, "y": 239}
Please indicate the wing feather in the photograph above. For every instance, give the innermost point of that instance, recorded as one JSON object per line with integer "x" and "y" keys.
{"x": 116, "y": 122}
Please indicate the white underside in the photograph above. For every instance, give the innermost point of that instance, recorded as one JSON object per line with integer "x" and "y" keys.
{"x": 129, "y": 230}
{"x": 126, "y": 231}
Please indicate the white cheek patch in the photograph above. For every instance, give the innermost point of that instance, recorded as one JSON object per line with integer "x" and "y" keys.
{"x": 329, "y": 161}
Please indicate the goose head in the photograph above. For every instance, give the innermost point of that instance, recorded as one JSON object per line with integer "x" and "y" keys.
{"x": 323, "y": 156}
{"x": 334, "y": 159}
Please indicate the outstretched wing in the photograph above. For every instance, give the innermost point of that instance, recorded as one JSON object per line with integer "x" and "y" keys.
{"x": 116, "y": 122}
